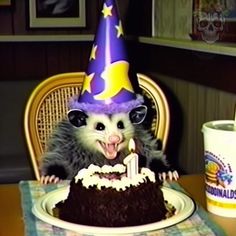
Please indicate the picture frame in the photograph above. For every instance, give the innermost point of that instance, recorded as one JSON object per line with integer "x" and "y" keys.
{"x": 58, "y": 14}
{"x": 5, "y": 3}
{"x": 229, "y": 27}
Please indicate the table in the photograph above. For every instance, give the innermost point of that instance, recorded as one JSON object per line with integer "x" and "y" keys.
{"x": 11, "y": 222}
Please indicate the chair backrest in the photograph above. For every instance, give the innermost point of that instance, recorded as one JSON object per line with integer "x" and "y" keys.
{"x": 47, "y": 105}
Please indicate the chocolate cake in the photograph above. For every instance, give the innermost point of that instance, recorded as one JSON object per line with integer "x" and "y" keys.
{"x": 107, "y": 197}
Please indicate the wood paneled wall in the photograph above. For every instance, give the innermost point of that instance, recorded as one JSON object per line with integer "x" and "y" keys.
{"x": 200, "y": 87}
{"x": 213, "y": 70}
{"x": 192, "y": 105}
{"x": 38, "y": 60}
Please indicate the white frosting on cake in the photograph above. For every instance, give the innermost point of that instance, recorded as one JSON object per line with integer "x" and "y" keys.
{"x": 93, "y": 176}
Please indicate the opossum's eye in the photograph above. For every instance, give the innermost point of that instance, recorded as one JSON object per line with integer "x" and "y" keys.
{"x": 120, "y": 125}
{"x": 100, "y": 126}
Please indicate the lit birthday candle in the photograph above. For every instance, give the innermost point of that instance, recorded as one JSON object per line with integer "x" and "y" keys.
{"x": 131, "y": 161}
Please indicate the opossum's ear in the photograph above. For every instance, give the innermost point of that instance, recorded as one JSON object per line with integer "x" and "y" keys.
{"x": 77, "y": 117}
{"x": 138, "y": 114}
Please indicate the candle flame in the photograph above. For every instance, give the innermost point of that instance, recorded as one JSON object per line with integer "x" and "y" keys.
{"x": 131, "y": 145}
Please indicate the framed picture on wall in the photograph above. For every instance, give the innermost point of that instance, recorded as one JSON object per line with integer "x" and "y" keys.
{"x": 5, "y": 3}
{"x": 57, "y": 13}
{"x": 214, "y": 20}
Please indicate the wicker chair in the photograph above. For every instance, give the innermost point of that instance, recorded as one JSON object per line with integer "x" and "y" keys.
{"x": 47, "y": 106}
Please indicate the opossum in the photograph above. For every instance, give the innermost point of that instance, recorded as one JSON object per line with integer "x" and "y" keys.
{"x": 86, "y": 138}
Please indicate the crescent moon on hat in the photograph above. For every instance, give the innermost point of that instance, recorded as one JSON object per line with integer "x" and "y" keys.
{"x": 116, "y": 78}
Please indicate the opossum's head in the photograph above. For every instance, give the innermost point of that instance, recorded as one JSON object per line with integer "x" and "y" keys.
{"x": 104, "y": 133}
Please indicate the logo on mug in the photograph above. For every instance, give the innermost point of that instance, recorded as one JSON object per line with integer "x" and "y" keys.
{"x": 217, "y": 172}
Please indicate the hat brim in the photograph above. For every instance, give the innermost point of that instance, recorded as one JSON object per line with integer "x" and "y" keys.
{"x": 112, "y": 108}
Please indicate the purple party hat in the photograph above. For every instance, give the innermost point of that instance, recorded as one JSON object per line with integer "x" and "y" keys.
{"x": 107, "y": 87}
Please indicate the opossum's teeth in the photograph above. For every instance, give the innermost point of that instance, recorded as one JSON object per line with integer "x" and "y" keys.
{"x": 110, "y": 149}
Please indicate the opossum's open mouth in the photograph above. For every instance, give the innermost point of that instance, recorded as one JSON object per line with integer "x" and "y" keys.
{"x": 110, "y": 149}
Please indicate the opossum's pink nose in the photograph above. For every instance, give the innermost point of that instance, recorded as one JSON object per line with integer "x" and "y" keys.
{"x": 114, "y": 139}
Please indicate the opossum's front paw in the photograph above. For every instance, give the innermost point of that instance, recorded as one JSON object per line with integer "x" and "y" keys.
{"x": 171, "y": 175}
{"x": 49, "y": 179}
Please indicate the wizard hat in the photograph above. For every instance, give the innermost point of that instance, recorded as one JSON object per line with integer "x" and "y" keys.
{"x": 107, "y": 87}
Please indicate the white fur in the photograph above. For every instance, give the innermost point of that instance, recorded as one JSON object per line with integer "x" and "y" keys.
{"x": 91, "y": 137}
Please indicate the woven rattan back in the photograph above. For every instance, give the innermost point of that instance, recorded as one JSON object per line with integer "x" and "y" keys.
{"x": 159, "y": 113}
{"x": 48, "y": 102}
{"x": 47, "y": 106}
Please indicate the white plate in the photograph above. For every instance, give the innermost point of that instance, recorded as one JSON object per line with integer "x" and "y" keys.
{"x": 43, "y": 210}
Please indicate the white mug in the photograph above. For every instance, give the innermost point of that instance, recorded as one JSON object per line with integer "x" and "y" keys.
{"x": 220, "y": 166}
